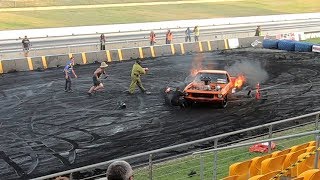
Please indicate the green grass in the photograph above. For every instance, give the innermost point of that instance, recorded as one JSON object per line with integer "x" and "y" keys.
{"x": 313, "y": 40}
{"x": 181, "y": 167}
{"x": 99, "y": 16}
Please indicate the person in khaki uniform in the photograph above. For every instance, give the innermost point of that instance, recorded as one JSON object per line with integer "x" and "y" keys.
{"x": 136, "y": 72}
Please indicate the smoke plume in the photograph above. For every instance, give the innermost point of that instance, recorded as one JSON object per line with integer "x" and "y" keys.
{"x": 252, "y": 70}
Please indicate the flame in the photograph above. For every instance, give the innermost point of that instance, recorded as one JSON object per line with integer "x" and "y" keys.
{"x": 240, "y": 80}
{"x": 196, "y": 65}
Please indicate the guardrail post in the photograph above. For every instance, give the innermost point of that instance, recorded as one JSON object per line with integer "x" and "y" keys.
{"x": 71, "y": 176}
{"x": 150, "y": 167}
{"x": 316, "y": 158}
{"x": 317, "y": 122}
{"x": 215, "y": 159}
{"x": 270, "y": 136}
{"x": 201, "y": 167}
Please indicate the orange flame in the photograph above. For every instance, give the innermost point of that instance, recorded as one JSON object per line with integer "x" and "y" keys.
{"x": 240, "y": 80}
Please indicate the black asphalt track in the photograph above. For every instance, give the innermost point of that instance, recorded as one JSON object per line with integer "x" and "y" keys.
{"x": 44, "y": 129}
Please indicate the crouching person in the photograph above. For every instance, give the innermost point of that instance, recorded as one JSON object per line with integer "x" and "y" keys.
{"x": 176, "y": 97}
{"x": 97, "y": 84}
{"x": 119, "y": 170}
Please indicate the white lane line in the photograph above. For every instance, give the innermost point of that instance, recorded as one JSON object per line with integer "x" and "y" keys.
{"x": 112, "y": 5}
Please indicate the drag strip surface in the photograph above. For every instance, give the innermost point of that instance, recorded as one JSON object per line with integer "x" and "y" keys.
{"x": 44, "y": 129}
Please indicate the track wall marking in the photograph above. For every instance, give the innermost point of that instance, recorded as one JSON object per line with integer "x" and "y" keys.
{"x": 140, "y": 52}
{"x": 226, "y": 45}
{"x": 209, "y": 45}
{"x": 44, "y": 62}
{"x": 84, "y": 58}
{"x": 172, "y": 49}
{"x": 120, "y": 55}
{"x": 70, "y": 55}
{"x": 152, "y": 51}
{"x": 30, "y": 63}
{"x": 108, "y": 56}
{"x": 182, "y": 48}
{"x": 1, "y": 67}
{"x": 200, "y": 46}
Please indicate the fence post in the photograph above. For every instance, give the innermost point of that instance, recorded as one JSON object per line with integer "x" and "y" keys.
{"x": 201, "y": 167}
{"x": 150, "y": 167}
{"x": 270, "y": 136}
{"x": 316, "y": 158}
{"x": 215, "y": 159}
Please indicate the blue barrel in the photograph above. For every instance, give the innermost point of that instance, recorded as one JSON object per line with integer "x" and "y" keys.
{"x": 303, "y": 47}
{"x": 287, "y": 45}
{"x": 270, "y": 44}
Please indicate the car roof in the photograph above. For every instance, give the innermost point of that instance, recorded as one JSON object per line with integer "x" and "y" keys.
{"x": 213, "y": 71}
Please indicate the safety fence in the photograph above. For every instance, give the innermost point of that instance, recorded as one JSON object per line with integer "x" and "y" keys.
{"x": 208, "y": 163}
{"x": 44, "y": 62}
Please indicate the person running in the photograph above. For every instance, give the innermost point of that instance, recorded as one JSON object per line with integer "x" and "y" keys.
{"x": 68, "y": 69}
{"x": 97, "y": 84}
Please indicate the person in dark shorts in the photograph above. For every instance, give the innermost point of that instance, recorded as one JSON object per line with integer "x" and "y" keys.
{"x": 97, "y": 84}
{"x": 68, "y": 69}
{"x": 26, "y": 46}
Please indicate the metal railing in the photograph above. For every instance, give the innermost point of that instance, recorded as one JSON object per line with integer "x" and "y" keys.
{"x": 215, "y": 151}
{"x": 271, "y": 128}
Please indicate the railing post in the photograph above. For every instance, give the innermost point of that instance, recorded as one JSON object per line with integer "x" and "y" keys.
{"x": 201, "y": 167}
{"x": 150, "y": 167}
{"x": 270, "y": 136}
{"x": 317, "y": 122}
{"x": 215, "y": 159}
{"x": 71, "y": 176}
{"x": 316, "y": 158}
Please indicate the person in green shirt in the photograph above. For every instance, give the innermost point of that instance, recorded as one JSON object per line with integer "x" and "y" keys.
{"x": 136, "y": 72}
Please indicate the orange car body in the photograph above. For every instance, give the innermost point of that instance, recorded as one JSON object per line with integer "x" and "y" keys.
{"x": 210, "y": 86}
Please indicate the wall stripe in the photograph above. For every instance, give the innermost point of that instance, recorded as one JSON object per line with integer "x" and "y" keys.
{"x": 141, "y": 52}
{"x": 120, "y": 55}
{"x": 30, "y": 63}
{"x": 108, "y": 56}
{"x": 200, "y": 46}
{"x": 226, "y": 44}
{"x": 152, "y": 51}
{"x": 182, "y": 48}
{"x": 1, "y": 67}
{"x": 44, "y": 62}
{"x": 172, "y": 49}
{"x": 84, "y": 58}
{"x": 209, "y": 45}
{"x": 70, "y": 55}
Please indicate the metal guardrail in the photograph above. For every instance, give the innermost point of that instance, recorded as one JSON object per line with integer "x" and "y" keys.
{"x": 151, "y": 154}
{"x": 215, "y": 151}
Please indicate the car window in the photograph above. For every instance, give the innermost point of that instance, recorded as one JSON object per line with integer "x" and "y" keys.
{"x": 212, "y": 77}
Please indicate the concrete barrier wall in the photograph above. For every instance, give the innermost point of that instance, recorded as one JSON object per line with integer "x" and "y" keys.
{"x": 44, "y": 62}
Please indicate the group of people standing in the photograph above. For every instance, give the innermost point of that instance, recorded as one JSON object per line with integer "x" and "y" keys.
{"x": 136, "y": 72}
{"x": 169, "y": 35}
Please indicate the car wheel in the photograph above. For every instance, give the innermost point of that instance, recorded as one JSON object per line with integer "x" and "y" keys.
{"x": 224, "y": 103}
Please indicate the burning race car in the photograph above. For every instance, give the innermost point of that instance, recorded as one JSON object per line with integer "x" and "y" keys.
{"x": 210, "y": 86}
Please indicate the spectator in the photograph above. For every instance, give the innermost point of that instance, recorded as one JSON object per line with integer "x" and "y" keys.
{"x": 188, "y": 35}
{"x": 258, "y": 31}
{"x": 68, "y": 69}
{"x": 119, "y": 170}
{"x": 152, "y": 38}
{"x": 26, "y": 46}
{"x": 169, "y": 37}
{"x": 196, "y": 33}
{"x": 102, "y": 42}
